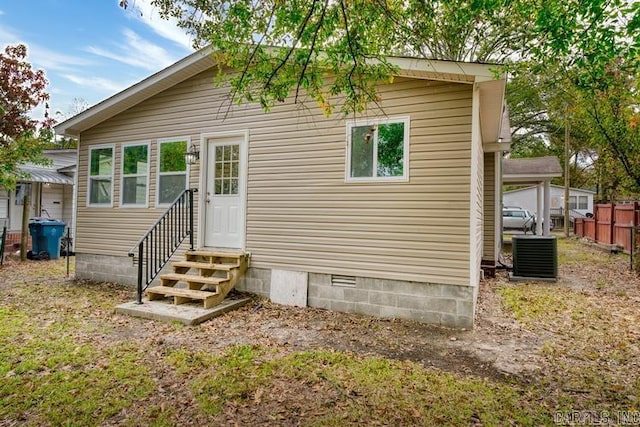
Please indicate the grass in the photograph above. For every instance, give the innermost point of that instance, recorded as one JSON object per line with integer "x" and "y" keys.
{"x": 571, "y": 253}
{"x": 343, "y": 388}
{"x": 592, "y": 342}
{"x": 66, "y": 359}
{"x": 49, "y": 373}
{"x": 54, "y": 369}
{"x": 532, "y": 304}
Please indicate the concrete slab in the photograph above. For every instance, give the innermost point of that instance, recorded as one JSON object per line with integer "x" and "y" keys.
{"x": 531, "y": 279}
{"x": 187, "y": 314}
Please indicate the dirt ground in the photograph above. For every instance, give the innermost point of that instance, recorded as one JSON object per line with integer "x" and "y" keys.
{"x": 511, "y": 343}
{"x": 497, "y": 347}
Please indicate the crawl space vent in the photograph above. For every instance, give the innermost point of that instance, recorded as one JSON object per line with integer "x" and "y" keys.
{"x": 344, "y": 281}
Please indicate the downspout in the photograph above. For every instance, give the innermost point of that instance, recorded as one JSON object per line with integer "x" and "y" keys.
{"x": 74, "y": 199}
{"x": 38, "y": 208}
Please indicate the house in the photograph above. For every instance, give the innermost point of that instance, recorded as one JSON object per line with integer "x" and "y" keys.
{"x": 50, "y": 189}
{"x": 389, "y": 214}
{"x": 580, "y": 200}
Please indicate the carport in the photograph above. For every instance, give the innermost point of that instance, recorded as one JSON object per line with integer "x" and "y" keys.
{"x": 538, "y": 171}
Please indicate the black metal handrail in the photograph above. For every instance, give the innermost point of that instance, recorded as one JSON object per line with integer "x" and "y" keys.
{"x": 162, "y": 240}
{"x": 3, "y": 241}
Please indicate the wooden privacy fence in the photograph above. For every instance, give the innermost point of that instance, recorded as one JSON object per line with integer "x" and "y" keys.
{"x": 612, "y": 224}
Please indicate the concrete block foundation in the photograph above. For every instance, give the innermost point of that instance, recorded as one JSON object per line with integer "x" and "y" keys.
{"x": 106, "y": 268}
{"x": 447, "y": 305}
{"x": 440, "y": 304}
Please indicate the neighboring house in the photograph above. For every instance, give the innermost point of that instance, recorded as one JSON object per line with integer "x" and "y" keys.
{"x": 50, "y": 189}
{"x": 388, "y": 214}
{"x": 580, "y": 201}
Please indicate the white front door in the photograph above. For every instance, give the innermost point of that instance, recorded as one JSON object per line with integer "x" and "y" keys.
{"x": 225, "y": 192}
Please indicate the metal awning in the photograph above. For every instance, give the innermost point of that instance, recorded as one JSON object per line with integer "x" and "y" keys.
{"x": 530, "y": 170}
{"x": 45, "y": 176}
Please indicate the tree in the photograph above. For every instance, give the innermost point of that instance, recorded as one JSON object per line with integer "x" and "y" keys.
{"x": 21, "y": 137}
{"x": 282, "y": 47}
{"x": 538, "y": 106}
{"x": 290, "y": 47}
{"x": 77, "y": 106}
{"x": 611, "y": 115}
{"x": 458, "y": 30}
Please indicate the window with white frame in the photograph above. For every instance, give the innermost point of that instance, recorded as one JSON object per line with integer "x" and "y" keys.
{"x": 23, "y": 189}
{"x": 172, "y": 170}
{"x": 378, "y": 150}
{"x": 583, "y": 203}
{"x": 572, "y": 202}
{"x": 4, "y": 207}
{"x": 101, "y": 176}
{"x": 135, "y": 174}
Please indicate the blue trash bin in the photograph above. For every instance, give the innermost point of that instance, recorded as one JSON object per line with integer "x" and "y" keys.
{"x": 45, "y": 237}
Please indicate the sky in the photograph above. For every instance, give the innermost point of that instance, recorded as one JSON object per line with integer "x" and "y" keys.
{"x": 90, "y": 49}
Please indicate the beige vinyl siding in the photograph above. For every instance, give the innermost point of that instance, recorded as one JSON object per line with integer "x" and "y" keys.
{"x": 113, "y": 231}
{"x": 489, "y": 252}
{"x": 301, "y": 215}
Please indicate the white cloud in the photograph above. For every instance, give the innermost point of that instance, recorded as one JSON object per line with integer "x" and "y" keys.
{"x": 51, "y": 60}
{"x": 8, "y": 37}
{"x": 166, "y": 28}
{"x": 97, "y": 83}
{"x": 39, "y": 56}
{"x": 138, "y": 53}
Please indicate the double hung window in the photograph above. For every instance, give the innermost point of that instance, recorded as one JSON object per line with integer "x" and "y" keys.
{"x": 101, "y": 175}
{"x": 135, "y": 174}
{"x": 172, "y": 170}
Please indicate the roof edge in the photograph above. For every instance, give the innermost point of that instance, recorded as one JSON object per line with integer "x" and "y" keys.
{"x": 551, "y": 185}
{"x": 67, "y": 127}
{"x": 202, "y": 60}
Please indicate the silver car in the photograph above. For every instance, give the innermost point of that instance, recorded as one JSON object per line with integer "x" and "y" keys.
{"x": 518, "y": 219}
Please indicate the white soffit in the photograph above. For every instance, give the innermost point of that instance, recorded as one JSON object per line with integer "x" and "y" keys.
{"x": 469, "y": 72}
{"x": 491, "y": 109}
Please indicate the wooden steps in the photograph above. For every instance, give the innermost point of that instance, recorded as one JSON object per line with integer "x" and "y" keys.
{"x": 204, "y": 265}
{"x": 182, "y": 295}
{"x": 213, "y": 275}
{"x": 194, "y": 281}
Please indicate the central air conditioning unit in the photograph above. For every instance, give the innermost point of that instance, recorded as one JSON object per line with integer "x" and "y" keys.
{"x": 535, "y": 257}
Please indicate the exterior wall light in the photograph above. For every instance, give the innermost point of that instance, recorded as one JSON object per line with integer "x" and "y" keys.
{"x": 192, "y": 156}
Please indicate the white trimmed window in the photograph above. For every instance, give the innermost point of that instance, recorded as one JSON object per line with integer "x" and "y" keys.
{"x": 583, "y": 202}
{"x": 378, "y": 150}
{"x": 101, "y": 175}
{"x": 135, "y": 175}
{"x": 22, "y": 189}
{"x": 572, "y": 202}
{"x": 172, "y": 170}
{"x": 4, "y": 208}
